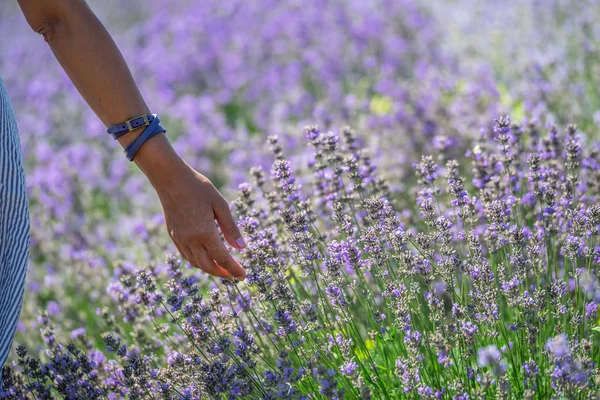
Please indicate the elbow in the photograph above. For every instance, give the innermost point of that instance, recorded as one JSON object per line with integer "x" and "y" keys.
{"x": 50, "y": 17}
{"x": 46, "y": 28}
{"x": 43, "y": 16}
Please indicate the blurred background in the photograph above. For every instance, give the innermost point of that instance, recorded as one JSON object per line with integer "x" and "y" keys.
{"x": 411, "y": 77}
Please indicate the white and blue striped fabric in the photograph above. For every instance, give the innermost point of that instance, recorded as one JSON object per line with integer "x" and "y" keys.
{"x": 14, "y": 226}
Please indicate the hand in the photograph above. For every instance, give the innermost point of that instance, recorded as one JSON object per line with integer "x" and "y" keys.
{"x": 191, "y": 204}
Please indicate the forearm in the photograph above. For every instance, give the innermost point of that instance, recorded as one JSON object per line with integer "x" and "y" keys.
{"x": 96, "y": 67}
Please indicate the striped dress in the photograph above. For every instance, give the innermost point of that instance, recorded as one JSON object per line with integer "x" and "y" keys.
{"x": 14, "y": 226}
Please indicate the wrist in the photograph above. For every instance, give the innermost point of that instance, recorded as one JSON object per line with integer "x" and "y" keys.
{"x": 159, "y": 161}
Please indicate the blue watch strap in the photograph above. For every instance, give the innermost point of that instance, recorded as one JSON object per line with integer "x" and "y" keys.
{"x": 153, "y": 129}
{"x": 119, "y": 130}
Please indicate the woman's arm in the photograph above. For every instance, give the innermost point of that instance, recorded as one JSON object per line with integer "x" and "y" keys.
{"x": 92, "y": 60}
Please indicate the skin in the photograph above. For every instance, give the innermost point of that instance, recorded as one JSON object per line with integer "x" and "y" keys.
{"x": 190, "y": 202}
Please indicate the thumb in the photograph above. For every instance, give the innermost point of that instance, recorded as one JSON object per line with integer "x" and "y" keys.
{"x": 228, "y": 226}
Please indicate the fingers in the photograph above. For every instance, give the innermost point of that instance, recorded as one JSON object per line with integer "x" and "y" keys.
{"x": 198, "y": 257}
{"x": 227, "y": 223}
{"x": 186, "y": 255}
{"x": 217, "y": 250}
{"x": 207, "y": 264}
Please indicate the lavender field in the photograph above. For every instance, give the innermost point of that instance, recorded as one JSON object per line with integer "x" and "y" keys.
{"x": 417, "y": 181}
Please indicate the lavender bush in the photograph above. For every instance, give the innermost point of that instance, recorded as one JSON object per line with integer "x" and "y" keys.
{"x": 485, "y": 286}
{"x": 201, "y": 66}
{"x": 475, "y": 277}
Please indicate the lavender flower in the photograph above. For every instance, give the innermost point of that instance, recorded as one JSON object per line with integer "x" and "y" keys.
{"x": 490, "y": 357}
{"x": 365, "y": 280}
